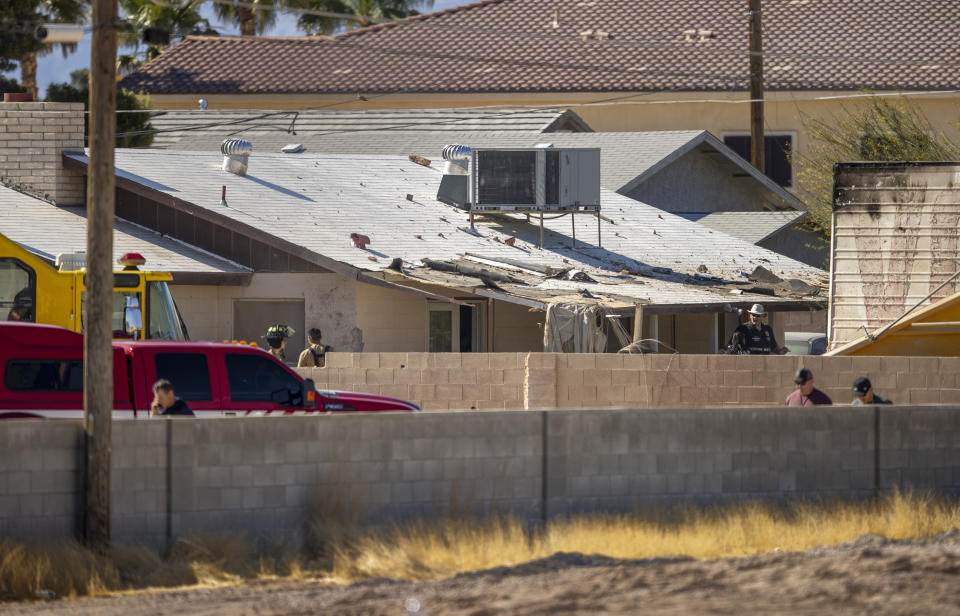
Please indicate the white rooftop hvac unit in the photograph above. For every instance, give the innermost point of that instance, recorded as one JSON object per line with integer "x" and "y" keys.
{"x": 536, "y": 179}
{"x": 521, "y": 179}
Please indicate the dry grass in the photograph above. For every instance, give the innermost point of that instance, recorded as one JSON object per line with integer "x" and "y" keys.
{"x": 335, "y": 547}
{"x": 449, "y": 547}
{"x": 67, "y": 570}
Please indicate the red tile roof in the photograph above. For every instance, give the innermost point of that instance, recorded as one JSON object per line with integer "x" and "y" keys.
{"x": 586, "y": 46}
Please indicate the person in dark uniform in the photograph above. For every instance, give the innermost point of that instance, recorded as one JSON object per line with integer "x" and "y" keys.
{"x": 756, "y": 338}
{"x": 166, "y": 402}
{"x": 863, "y": 393}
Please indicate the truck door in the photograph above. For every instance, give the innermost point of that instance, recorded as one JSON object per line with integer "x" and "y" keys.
{"x": 190, "y": 372}
{"x": 259, "y": 384}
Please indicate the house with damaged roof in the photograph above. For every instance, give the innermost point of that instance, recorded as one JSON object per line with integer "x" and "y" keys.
{"x": 622, "y": 65}
{"x": 362, "y": 247}
{"x": 689, "y": 173}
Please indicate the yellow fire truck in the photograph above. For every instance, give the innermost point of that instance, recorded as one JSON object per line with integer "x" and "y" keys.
{"x": 33, "y": 290}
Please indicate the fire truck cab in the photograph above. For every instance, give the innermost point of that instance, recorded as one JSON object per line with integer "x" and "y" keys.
{"x": 32, "y": 290}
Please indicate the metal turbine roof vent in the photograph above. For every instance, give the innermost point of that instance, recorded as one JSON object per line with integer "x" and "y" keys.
{"x": 455, "y": 182}
{"x": 236, "y": 153}
{"x": 457, "y": 157}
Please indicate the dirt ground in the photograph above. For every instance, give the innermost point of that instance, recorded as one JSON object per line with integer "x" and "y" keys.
{"x": 867, "y": 575}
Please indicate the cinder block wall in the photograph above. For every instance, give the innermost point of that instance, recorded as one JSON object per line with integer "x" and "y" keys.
{"x": 454, "y": 381}
{"x": 40, "y": 478}
{"x": 435, "y": 381}
{"x": 33, "y": 137}
{"x": 271, "y": 476}
{"x": 614, "y": 460}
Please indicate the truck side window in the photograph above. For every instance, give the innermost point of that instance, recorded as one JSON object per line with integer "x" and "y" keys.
{"x": 18, "y": 291}
{"x": 44, "y": 375}
{"x": 253, "y": 378}
{"x": 188, "y": 372}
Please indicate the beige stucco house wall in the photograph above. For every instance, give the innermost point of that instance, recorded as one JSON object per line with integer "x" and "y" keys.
{"x": 356, "y": 316}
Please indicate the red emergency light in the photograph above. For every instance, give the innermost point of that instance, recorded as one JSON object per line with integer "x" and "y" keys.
{"x": 131, "y": 259}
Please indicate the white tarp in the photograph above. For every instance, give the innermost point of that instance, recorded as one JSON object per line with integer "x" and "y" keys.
{"x": 574, "y": 328}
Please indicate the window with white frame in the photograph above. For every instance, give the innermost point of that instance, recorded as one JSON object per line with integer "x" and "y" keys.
{"x": 456, "y": 328}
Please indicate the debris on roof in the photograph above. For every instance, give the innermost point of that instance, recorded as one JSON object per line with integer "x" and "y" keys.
{"x": 340, "y": 190}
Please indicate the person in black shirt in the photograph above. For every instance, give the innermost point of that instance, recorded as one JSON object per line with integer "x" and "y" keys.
{"x": 166, "y": 402}
{"x": 756, "y": 338}
{"x": 863, "y": 393}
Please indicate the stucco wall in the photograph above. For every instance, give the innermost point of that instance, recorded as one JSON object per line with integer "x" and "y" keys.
{"x": 329, "y": 301}
{"x": 269, "y": 477}
{"x": 517, "y": 328}
{"x": 391, "y": 320}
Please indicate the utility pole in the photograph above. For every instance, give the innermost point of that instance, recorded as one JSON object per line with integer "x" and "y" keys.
{"x": 98, "y": 303}
{"x": 756, "y": 87}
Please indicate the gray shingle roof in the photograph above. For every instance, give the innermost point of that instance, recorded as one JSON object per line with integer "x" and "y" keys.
{"x": 595, "y": 46}
{"x": 753, "y": 227}
{"x": 315, "y": 202}
{"x": 627, "y": 158}
{"x": 47, "y": 230}
{"x": 327, "y": 130}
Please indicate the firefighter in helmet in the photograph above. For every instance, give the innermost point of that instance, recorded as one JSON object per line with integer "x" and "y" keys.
{"x": 277, "y": 339}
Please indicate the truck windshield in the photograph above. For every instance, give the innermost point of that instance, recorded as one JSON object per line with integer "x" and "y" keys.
{"x": 162, "y": 320}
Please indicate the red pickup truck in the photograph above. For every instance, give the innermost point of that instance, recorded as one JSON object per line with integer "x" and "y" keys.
{"x": 41, "y": 375}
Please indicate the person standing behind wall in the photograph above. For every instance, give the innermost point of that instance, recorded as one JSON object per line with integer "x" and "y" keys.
{"x": 315, "y": 355}
{"x": 277, "y": 340}
{"x": 755, "y": 337}
{"x": 806, "y": 394}
{"x": 864, "y": 394}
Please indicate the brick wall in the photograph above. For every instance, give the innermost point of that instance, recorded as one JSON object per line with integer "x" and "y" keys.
{"x": 269, "y": 476}
{"x": 33, "y": 137}
{"x": 441, "y": 381}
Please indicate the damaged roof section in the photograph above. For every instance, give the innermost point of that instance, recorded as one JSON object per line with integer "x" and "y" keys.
{"x": 659, "y": 289}
{"x": 632, "y": 253}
